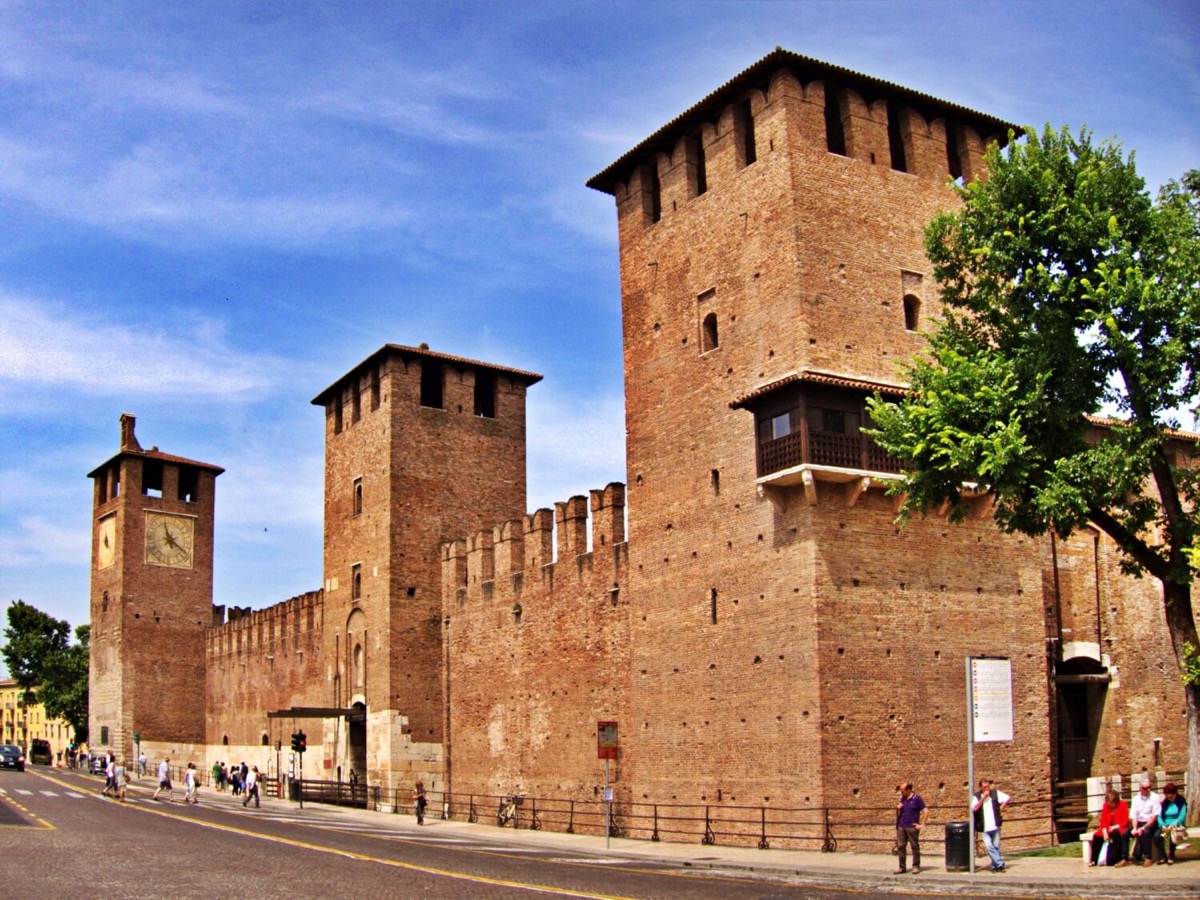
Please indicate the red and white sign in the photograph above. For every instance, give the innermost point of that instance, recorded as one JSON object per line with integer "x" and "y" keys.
{"x": 606, "y": 740}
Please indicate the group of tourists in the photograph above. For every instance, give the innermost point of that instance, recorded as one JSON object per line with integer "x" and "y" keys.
{"x": 236, "y": 777}
{"x": 912, "y": 814}
{"x": 116, "y": 777}
{"x": 1145, "y": 831}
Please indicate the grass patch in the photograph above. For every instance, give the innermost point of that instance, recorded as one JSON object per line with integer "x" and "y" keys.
{"x": 1059, "y": 850}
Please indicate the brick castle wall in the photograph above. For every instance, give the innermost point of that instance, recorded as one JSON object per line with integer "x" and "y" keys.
{"x": 537, "y": 651}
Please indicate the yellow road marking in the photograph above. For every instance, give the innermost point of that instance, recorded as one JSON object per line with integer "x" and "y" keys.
{"x": 362, "y": 857}
{"x": 46, "y": 826}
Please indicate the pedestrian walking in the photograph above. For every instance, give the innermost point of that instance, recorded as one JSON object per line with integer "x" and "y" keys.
{"x": 420, "y": 801}
{"x": 216, "y": 775}
{"x": 987, "y": 806}
{"x": 121, "y": 775}
{"x": 912, "y": 814}
{"x": 191, "y": 784}
{"x": 164, "y": 779}
{"x": 142, "y": 765}
{"x": 110, "y": 781}
{"x": 252, "y": 787}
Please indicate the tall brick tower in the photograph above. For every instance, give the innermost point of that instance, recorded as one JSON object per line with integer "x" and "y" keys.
{"x": 151, "y": 597}
{"x": 772, "y": 277}
{"x": 420, "y": 447}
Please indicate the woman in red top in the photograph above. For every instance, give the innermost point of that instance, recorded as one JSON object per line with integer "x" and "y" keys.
{"x": 1114, "y": 828}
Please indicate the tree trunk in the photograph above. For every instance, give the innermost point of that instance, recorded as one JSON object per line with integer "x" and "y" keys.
{"x": 1181, "y": 623}
{"x": 1192, "y": 788}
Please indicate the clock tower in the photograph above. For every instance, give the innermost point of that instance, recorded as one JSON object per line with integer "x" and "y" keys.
{"x": 151, "y": 596}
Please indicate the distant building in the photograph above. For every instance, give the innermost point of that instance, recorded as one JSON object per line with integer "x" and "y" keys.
{"x": 20, "y": 724}
{"x": 744, "y": 606}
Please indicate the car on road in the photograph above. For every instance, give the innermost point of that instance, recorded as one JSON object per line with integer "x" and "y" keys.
{"x": 40, "y": 752}
{"x": 98, "y": 764}
{"x": 12, "y": 757}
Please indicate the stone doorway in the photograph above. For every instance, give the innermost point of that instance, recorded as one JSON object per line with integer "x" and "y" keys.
{"x": 356, "y": 726}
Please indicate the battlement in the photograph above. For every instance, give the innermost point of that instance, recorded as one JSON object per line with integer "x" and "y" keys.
{"x": 790, "y": 102}
{"x": 524, "y": 549}
{"x": 288, "y": 625}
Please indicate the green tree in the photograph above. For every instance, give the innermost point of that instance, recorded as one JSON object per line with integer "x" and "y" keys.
{"x": 1068, "y": 292}
{"x": 64, "y": 684}
{"x": 46, "y": 667}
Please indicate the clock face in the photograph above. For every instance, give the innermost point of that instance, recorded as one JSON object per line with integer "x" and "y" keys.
{"x": 169, "y": 540}
{"x": 106, "y": 549}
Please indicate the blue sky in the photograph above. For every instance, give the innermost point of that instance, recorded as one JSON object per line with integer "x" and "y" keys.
{"x": 210, "y": 211}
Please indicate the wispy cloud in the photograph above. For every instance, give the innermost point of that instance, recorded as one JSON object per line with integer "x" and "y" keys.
{"x": 48, "y": 346}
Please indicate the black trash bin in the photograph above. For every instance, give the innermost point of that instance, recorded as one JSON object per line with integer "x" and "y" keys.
{"x": 293, "y": 789}
{"x": 958, "y": 841}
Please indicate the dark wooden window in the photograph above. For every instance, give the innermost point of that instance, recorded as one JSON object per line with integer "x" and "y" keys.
{"x": 817, "y": 425}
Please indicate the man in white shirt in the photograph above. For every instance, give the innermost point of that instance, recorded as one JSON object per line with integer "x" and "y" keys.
{"x": 988, "y": 803}
{"x": 164, "y": 779}
{"x": 1143, "y": 814}
{"x": 251, "y": 787}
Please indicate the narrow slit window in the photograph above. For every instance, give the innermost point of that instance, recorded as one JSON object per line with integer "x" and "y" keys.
{"x": 707, "y": 318}
{"x": 712, "y": 604}
{"x": 749, "y": 151}
{"x": 355, "y": 586}
{"x": 431, "y": 384}
{"x": 953, "y": 153}
{"x": 152, "y": 477}
{"x": 709, "y": 340}
{"x": 912, "y": 312}
{"x": 485, "y": 394}
{"x": 189, "y": 483}
{"x": 835, "y": 134}
{"x": 701, "y": 166}
{"x": 358, "y": 496}
{"x": 654, "y": 193}
{"x": 896, "y": 140}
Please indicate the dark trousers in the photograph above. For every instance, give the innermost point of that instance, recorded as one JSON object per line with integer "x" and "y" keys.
{"x": 1117, "y": 849}
{"x": 1144, "y": 846}
{"x": 904, "y": 837}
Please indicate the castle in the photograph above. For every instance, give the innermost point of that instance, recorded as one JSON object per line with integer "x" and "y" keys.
{"x": 744, "y": 606}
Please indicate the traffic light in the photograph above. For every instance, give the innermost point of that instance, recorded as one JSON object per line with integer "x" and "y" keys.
{"x": 303, "y": 742}
{"x": 295, "y": 742}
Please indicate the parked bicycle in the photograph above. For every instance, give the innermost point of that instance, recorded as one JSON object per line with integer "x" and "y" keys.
{"x": 509, "y": 808}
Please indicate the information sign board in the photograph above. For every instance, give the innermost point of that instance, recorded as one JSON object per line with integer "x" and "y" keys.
{"x": 606, "y": 740}
{"x": 991, "y": 700}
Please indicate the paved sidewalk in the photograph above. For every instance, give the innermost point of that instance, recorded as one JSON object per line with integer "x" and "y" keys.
{"x": 1025, "y": 876}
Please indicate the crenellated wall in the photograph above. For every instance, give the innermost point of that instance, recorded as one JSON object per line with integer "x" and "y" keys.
{"x": 261, "y": 661}
{"x": 537, "y": 651}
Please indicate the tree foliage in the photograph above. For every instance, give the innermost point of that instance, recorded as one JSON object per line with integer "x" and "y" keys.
{"x": 1069, "y": 294}
{"x": 46, "y": 666}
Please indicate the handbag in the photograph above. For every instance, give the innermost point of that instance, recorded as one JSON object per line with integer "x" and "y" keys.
{"x": 1102, "y": 857}
{"x": 1178, "y": 834}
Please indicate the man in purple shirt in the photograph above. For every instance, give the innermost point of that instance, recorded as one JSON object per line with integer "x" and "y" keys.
{"x": 911, "y": 815}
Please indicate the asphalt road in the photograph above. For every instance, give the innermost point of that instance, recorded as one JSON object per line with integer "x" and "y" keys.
{"x": 59, "y": 838}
